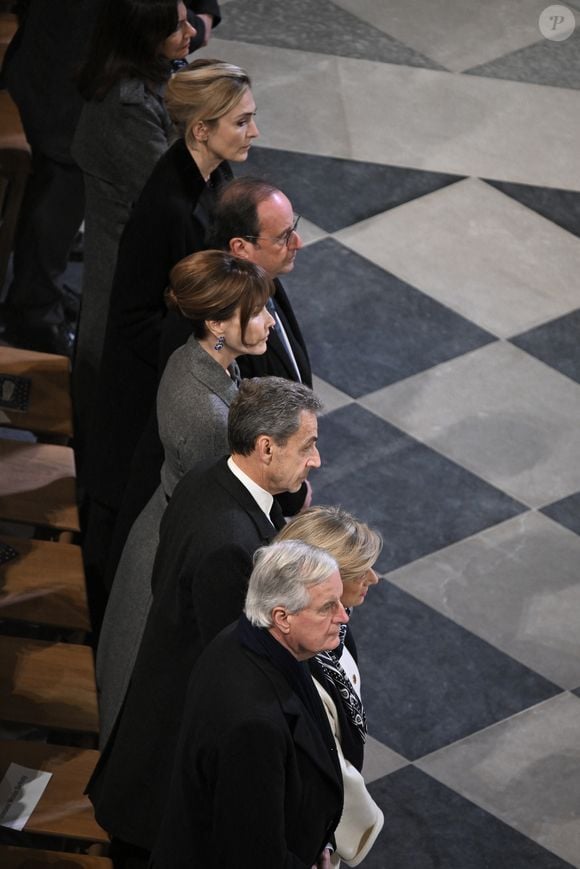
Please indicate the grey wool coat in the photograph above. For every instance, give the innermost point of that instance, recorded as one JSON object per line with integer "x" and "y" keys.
{"x": 192, "y": 407}
{"x": 118, "y": 141}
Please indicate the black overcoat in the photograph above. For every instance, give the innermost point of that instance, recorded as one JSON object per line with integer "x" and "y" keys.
{"x": 209, "y": 533}
{"x": 253, "y": 783}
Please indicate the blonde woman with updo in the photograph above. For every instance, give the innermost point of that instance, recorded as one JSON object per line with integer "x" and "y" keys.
{"x": 212, "y": 104}
{"x": 355, "y": 547}
{"x": 224, "y": 298}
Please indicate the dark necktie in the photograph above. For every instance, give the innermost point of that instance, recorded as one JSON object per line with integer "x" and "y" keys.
{"x": 276, "y": 516}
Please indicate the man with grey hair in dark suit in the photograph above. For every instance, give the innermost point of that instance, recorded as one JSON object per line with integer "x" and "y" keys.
{"x": 219, "y": 514}
{"x": 255, "y": 779}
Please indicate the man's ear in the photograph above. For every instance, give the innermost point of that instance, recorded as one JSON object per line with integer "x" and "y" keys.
{"x": 264, "y": 448}
{"x": 280, "y": 619}
{"x": 240, "y": 247}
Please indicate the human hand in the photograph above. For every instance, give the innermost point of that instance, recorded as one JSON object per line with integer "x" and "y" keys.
{"x": 324, "y": 860}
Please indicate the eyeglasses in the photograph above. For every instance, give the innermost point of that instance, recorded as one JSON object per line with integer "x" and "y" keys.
{"x": 281, "y": 240}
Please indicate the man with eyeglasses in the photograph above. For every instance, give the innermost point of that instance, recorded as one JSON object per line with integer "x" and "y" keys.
{"x": 254, "y": 220}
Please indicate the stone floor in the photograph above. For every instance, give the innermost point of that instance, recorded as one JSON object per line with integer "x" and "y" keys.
{"x": 431, "y": 147}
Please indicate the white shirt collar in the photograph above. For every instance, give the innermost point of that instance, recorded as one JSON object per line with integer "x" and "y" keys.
{"x": 262, "y": 498}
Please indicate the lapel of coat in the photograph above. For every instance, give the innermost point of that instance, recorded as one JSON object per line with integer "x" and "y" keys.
{"x": 209, "y": 372}
{"x": 305, "y": 732}
{"x": 240, "y": 494}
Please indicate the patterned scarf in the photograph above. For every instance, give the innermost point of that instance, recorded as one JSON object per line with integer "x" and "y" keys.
{"x": 335, "y": 674}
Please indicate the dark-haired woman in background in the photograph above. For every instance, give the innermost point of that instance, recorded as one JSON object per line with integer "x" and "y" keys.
{"x": 123, "y": 130}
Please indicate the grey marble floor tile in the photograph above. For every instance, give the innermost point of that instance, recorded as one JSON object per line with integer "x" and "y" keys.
{"x": 526, "y": 771}
{"x": 516, "y": 585}
{"x": 479, "y": 252}
{"x": 428, "y": 826}
{"x": 499, "y": 412}
{"x": 418, "y": 499}
{"x": 324, "y": 27}
{"x": 548, "y": 63}
{"x": 427, "y": 681}
{"x": 335, "y": 193}
{"x": 331, "y": 397}
{"x": 560, "y": 206}
{"x": 556, "y": 343}
{"x": 566, "y": 512}
{"x": 456, "y": 33}
{"x": 386, "y": 330}
{"x": 380, "y": 760}
{"x": 459, "y": 124}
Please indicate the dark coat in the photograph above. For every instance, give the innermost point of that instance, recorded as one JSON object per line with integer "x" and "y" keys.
{"x": 168, "y": 222}
{"x": 253, "y": 783}
{"x": 209, "y": 533}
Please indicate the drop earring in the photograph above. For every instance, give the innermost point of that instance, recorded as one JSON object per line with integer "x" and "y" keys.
{"x": 219, "y": 343}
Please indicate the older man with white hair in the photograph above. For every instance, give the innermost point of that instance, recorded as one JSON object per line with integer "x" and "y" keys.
{"x": 256, "y": 780}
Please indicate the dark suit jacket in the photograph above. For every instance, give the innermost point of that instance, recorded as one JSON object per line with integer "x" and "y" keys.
{"x": 168, "y": 222}
{"x": 209, "y": 533}
{"x": 254, "y": 784}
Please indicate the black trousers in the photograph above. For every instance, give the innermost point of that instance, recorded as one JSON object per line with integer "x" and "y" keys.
{"x": 51, "y": 213}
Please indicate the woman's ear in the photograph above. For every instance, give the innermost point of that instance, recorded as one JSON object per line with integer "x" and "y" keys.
{"x": 214, "y": 327}
{"x": 199, "y": 131}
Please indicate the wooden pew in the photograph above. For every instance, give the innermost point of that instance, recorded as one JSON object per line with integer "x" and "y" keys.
{"x": 37, "y": 485}
{"x": 33, "y": 858}
{"x": 45, "y": 585}
{"x": 50, "y": 685}
{"x": 47, "y": 380}
{"x": 63, "y": 809}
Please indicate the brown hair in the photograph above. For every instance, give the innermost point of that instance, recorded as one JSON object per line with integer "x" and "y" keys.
{"x": 205, "y": 91}
{"x": 353, "y": 545}
{"x": 213, "y": 284}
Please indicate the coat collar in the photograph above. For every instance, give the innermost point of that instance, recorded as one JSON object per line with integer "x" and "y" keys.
{"x": 208, "y": 371}
{"x": 241, "y": 495}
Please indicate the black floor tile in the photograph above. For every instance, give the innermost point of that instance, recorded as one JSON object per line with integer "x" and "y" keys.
{"x": 428, "y": 826}
{"x": 429, "y": 681}
{"x": 364, "y": 327}
{"x": 418, "y": 499}
{"x": 334, "y": 193}
{"x": 556, "y": 343}
{"x": 324, "y": 28}
{"x": 566, "y": 512}
{"x": 560, "y": 206}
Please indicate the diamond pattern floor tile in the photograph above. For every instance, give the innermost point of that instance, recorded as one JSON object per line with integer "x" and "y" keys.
{"x": 516, "y": 585}
{"x": 428, "y": 826}
{"x": 526, "y": 771}
{"x": 476, "y": 250}
{"x": 386, "y": 329}
{"x": 556, "y": 343}
{"x": 498, "y": 412}
{"x": 429, "y": 682}
{"x": 418, "y": 499}
{"x": 566, "y": 512}
{"x": 334, "y": 193}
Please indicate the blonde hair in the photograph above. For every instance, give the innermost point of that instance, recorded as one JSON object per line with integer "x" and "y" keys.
{"x": 205, "y": 91}
{"x": 353, "y": 545}
{"x": 213, "y": 284}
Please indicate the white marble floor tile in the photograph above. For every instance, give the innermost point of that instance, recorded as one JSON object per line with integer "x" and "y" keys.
{"x": 412, "y": 117}
{"x": 524, "y": 770}
{"x": 310, "y": 232}
{"x": 380, "y": 760}
{"x": 478, "y": 251}
{"x": 458, "y": 34}
{"x": 516, "y": 585}
{"x": 331, "y": 397}
{"x": 498, "y": 412}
